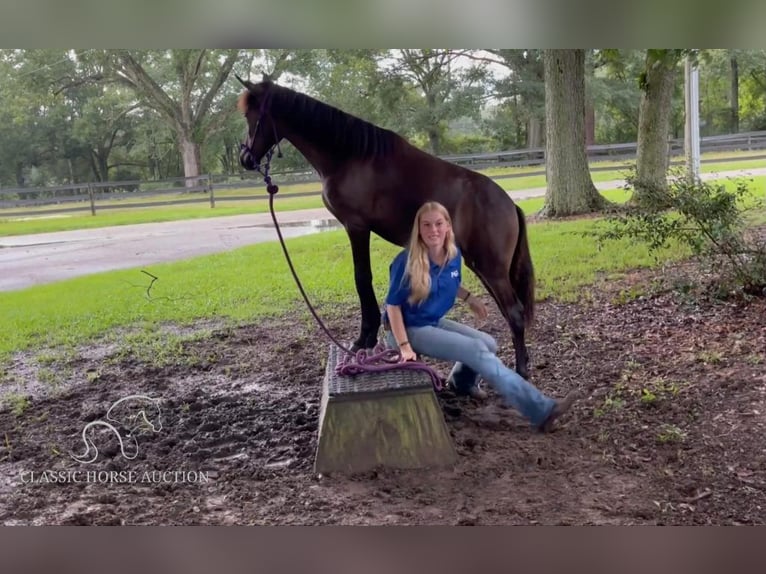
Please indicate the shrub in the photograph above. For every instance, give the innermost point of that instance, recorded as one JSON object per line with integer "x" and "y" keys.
{"x": 707, "y": 217}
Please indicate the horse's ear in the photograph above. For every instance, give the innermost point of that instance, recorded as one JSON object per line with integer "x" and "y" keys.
{"x": 247, "y": 84}
{"x": 267, "y": 78}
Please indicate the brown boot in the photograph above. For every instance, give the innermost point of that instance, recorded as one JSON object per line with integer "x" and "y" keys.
{"x": 561, "y": 407}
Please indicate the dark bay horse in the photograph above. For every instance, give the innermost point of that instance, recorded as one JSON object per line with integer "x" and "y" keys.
{"x": 373, "y": 181}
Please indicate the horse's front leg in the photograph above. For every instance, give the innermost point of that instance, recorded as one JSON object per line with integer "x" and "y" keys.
{"x": 360, "y": 250}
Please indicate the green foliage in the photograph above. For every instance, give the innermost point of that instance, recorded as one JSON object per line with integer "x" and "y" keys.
{"x": 708, "y": 218}
{"x": 505, "y": 124}
{"x": 467, "y": 144}
{"x": 523, "y": 90}
{"x": 447, "y": 93}
{"x": 615, "y": 94}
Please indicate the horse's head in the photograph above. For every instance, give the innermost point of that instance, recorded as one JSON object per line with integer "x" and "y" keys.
{"x": 261, "y": 132}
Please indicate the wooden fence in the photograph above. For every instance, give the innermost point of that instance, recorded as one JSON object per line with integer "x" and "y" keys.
{"x": 102, "y": 196}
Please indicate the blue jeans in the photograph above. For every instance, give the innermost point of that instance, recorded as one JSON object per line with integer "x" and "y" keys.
{"x": 474, "y": 356}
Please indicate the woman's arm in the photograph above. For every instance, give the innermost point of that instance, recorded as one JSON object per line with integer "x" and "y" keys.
{"x": 463, "y": 294}
{"x": 396, "y": 320}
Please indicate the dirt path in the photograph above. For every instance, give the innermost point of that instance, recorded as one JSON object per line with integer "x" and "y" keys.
{"x": 669, "y": 431}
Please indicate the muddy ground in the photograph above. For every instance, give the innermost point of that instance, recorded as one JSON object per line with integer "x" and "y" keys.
{"x": 669, "y": 429}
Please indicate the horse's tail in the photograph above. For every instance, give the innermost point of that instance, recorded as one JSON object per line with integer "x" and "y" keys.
{"x": 522, "y": 273}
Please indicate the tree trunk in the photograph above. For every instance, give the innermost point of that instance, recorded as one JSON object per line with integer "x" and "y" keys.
{"x": 434, "y": 141}
{"x": 590, "y": 123}
{"x": 20, "y": 175}
{"x": 570, "y": 187}
{"x": 190, "y": 153}
{"x": 654, "y": 123}
{"x": 534, "y": 133}
{"x": 734, "y": 94}
{"x": 103, "y": 166}
{"x": 517, "y": 123}
{"x": 71, "y": 170}
{"x": 434, "y": 137}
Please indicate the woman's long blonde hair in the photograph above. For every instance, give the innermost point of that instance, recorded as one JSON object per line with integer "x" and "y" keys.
{"x": 418, "y": 264}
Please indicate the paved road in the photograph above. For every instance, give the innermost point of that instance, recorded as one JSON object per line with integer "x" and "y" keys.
{"x": 46, "y": 257}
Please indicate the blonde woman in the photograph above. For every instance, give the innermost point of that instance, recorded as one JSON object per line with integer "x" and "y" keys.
{"x": 425, "y": 279}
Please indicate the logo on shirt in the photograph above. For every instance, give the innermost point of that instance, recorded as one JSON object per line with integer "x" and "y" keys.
{"x": 455, "y": 273}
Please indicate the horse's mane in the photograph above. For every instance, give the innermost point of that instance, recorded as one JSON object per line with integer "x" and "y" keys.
{"x": 327, "y": 126}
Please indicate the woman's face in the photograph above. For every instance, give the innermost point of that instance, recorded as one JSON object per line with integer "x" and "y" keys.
{"x": 433, "y": 229}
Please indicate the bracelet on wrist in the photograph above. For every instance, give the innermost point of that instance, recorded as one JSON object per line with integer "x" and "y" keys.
{"x": 403, "y": 343}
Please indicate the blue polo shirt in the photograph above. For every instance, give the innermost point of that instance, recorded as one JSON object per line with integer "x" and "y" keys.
{"x": 444, "y": 284}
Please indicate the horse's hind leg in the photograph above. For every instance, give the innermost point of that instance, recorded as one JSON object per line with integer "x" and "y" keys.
{"x": 513, "y": 311}
{"x": 360, "y": 251}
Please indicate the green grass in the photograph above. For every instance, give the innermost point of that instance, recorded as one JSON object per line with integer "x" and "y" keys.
{"x": 254, "y": 282}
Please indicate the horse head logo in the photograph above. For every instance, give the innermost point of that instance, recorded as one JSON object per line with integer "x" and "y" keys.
{"x": 133, "y": 421}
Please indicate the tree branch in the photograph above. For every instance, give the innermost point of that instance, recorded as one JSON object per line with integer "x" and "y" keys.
{"x": 198, "y": 64}
{"x": 140, "y": 81}
{"x": 131, "y": 163}
{"x": 474, "y": 57}
{"x": 218, "y": 122}
{"x": 93, "y": 79}
{"x": 279, "y": 62}
{"x": 223, "y": 74}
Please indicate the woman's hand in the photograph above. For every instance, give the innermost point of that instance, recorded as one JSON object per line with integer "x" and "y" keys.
{"x": 407, "y": 354}
{"x": 477, "y": 308}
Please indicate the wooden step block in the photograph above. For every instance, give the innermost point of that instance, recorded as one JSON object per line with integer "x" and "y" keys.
{"x": 386, "y": 419}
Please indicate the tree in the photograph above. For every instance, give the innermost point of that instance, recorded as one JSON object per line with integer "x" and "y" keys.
{"x": 198, "y": 76}
{"x": 616, "y": 94}
{"x": 356, "y": 82}
{"x": 752, "y": 89}
{"x": 186, "y": 88}
{"x": 101, "y": 122}
{"x": 526, "y": 86}
{"x": 37, "y": 146}
{"x": 656, "y": 83}
{"x": 733, "y": 86}
{"x": 523, "y": 91}
{"x": 734, "y": 91}
{"x": 447, "y": 93}
{"x": 570, "y": 189}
